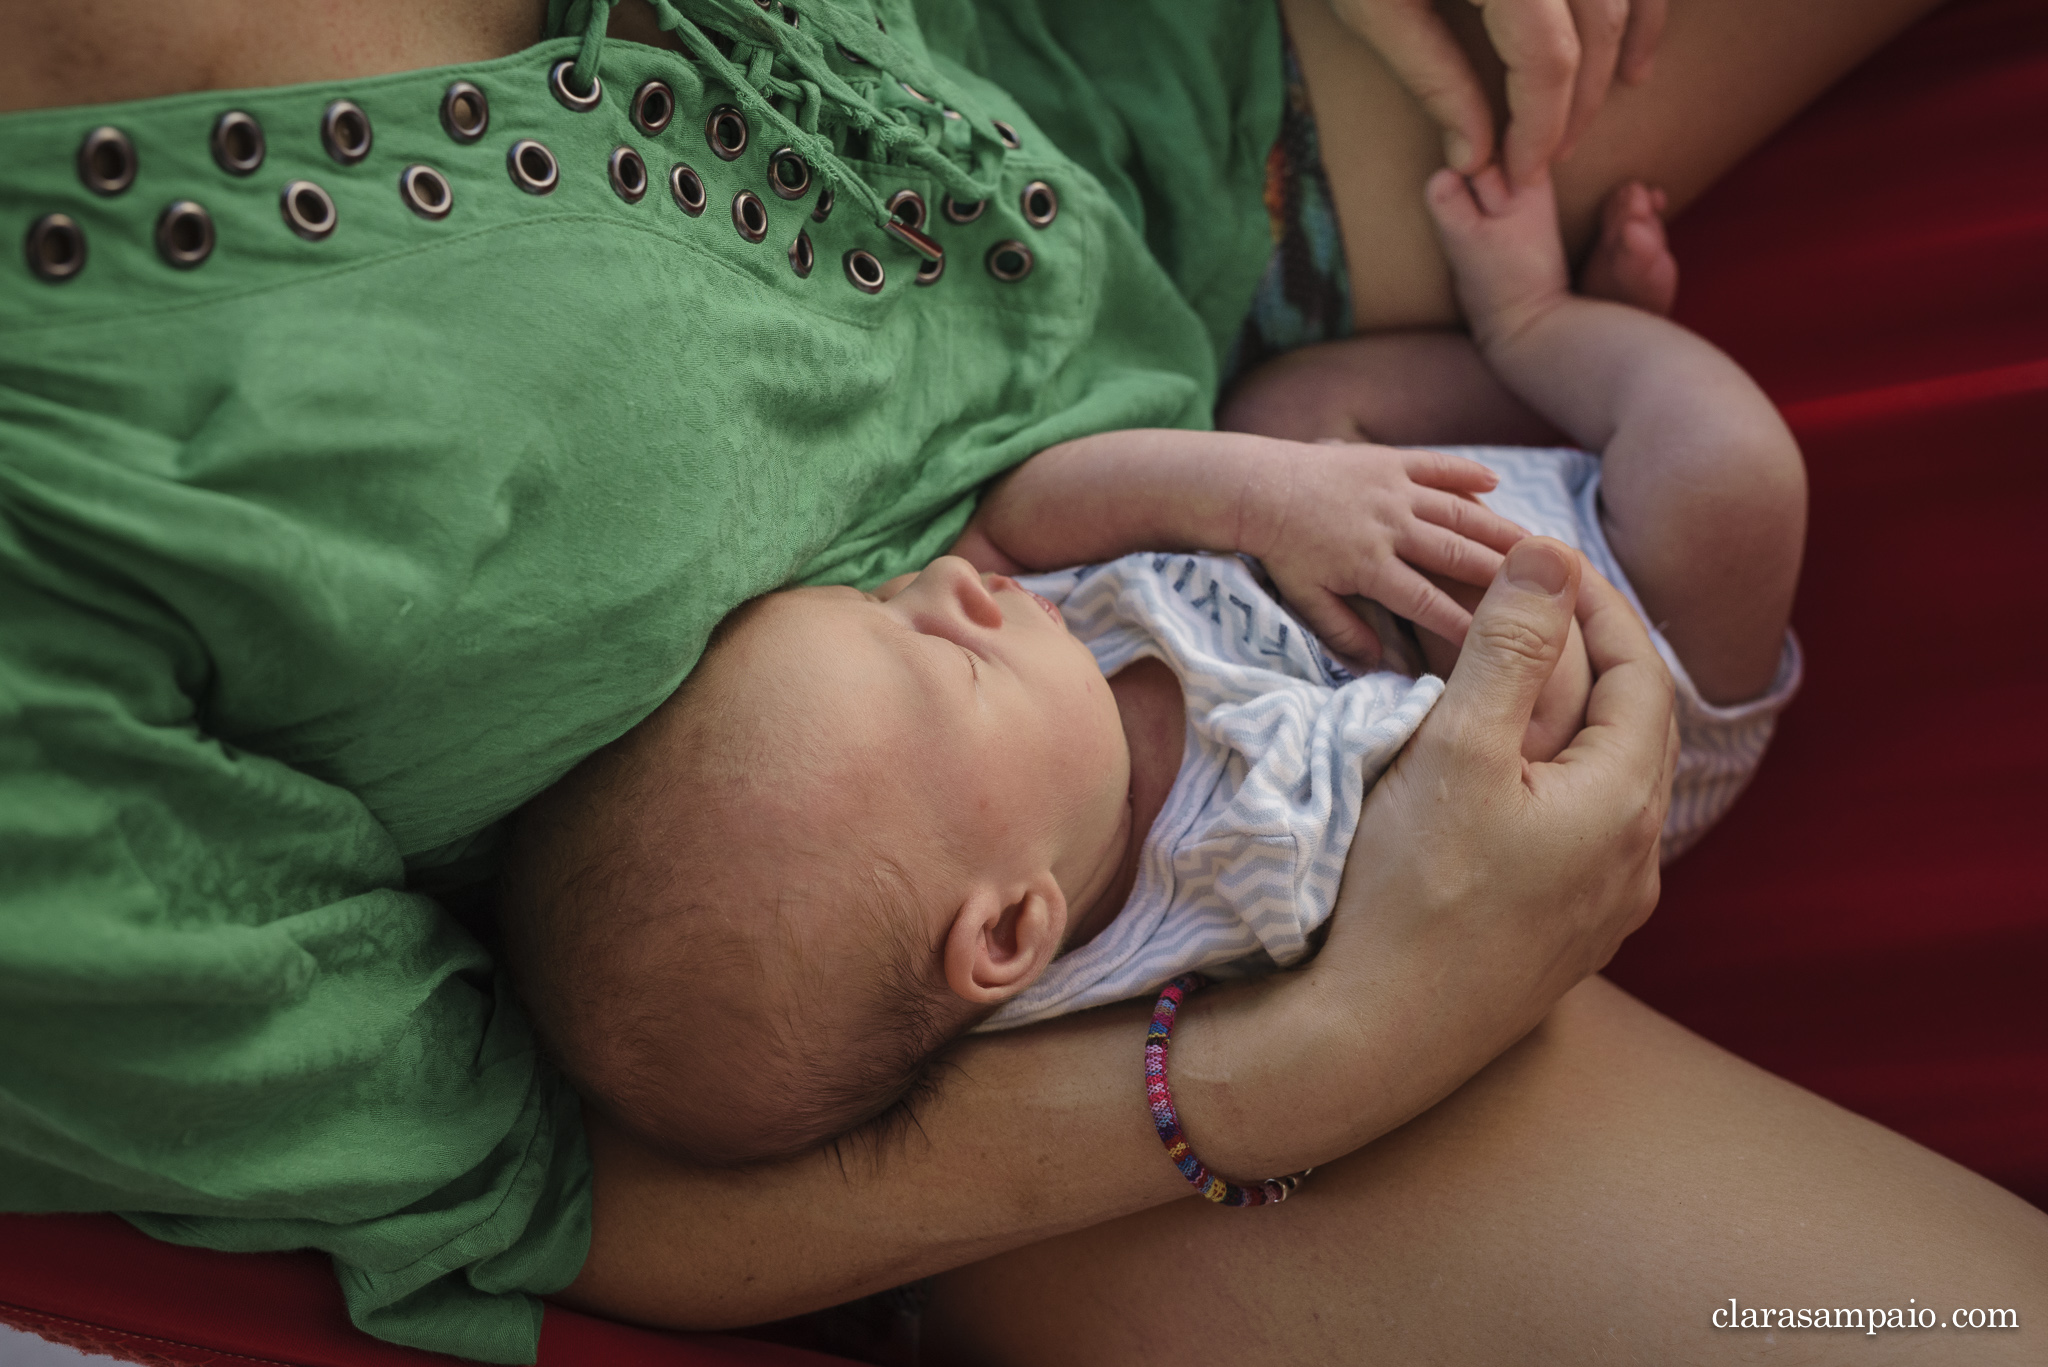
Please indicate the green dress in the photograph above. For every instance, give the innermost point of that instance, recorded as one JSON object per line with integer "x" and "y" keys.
{"x": 360, "y": 476}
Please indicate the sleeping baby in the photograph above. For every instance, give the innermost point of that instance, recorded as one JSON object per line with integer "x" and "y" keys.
{"x": 870, "y": 822}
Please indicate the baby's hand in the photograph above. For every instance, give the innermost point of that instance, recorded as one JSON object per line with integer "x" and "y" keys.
{"x": 1342, "y": 519}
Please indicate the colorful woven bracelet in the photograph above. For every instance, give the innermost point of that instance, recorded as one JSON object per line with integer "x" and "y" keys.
{"x": 1166, "y": 1120}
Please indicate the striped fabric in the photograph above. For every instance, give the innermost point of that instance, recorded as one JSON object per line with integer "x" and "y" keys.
{"x": 1241, "y": 868}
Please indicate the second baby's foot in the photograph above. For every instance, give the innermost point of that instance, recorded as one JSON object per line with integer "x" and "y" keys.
{"x": 1507, "y": 260}
{"x": 1632, "y": 262}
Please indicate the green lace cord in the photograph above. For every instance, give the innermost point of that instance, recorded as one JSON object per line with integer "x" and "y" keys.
{"x": 764, "y": 41}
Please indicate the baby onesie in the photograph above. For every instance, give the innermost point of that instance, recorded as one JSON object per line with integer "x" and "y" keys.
{"x": 1240, "y": 869}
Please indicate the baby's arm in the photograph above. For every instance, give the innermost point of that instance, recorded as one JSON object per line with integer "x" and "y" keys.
{"x": 1329, "y": 521}
{"x": 1703, "y": 494}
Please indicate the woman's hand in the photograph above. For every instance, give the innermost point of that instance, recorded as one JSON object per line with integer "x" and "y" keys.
{"x": 1479, "y": 889}
{"x": 1561, "y": 56}
{"x": 1337, "y": 520}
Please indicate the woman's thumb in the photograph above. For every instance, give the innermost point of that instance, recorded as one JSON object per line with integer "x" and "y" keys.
{"x": 1518, "y": 631}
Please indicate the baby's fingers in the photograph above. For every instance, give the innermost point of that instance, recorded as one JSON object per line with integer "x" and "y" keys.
{"x": 1404, "y": 592}
{"x": 1342, "y": 631}
{"x": 1440, "y": 551}
{"x": 1467, "y": 519}
{"x": 1440, "y": 470}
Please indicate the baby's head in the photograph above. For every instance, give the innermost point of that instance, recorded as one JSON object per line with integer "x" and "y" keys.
{"x": 750, "y": 924}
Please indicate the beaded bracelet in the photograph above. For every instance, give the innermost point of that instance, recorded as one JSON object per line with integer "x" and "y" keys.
{"x": 1166, "y": 1120}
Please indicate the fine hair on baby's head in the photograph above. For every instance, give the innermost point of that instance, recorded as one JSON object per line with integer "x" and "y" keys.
{"x": 751, "y": 924}
{"x": 717, "y": 958}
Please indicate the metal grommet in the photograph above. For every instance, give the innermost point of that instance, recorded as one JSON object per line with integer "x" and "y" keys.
{"x": 654, "y": 104}
{"x": 345, "y": 131}
{"x": 558, "y": 81}
{"x": 628, "y": 173}
{"x": 850, "y": 55}
{"x": 928, "y": 272}
{"x": 791, "y": 17}
{"x": 1040, "y": 203}
{"x": 533, "y": 167}
{"x": 237, "y": 142}
{"x": 1010, "y": 261}
{"x": 1007, "y": 134}
{"x": 822, "y": 210}
{"x": 750, "y": 215}
{"x": 465, "y": 112}
{"x": 956, "y": 212}
{"x": 789, "y": 175}
{"x": 308, "y": 209}
{"x": 106, "y": 161}
{"x": 184, "y": 233}
{"x": 725, "y": 128}
{"x": 426, "y": 192}
{"x": 865, "y": 271}
{"x": 802, "y": 256}
{"x": 56, "y": 248}
{"x": 688, "y": 188}
{"x": 907, "y": 208}
{"x": 915, "y": 93}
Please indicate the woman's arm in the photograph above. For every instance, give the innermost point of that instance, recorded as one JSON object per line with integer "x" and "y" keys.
{"x": 1479, "y": 889}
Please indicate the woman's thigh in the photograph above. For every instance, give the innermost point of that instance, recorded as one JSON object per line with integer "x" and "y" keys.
{"x": 1728, "y": 73}
{"x": 1596, "y": 1194}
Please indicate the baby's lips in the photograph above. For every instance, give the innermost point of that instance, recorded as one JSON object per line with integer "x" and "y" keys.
{"x": 1048, "y": 605}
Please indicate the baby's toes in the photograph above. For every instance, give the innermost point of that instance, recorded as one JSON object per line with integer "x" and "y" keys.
{"x": 1632, "y": 262}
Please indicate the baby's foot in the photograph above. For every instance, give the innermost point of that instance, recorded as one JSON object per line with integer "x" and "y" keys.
{"x": 1632, "y": 263}
{"x": 1507, "y": 261}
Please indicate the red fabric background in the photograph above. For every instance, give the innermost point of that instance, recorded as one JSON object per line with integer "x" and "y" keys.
{"x": 1872, "y": 920}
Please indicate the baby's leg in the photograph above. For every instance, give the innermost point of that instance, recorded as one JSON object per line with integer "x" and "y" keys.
{"x": 1426, "y": 387}
{"x": 1395, "y": 388}
{"x": 1703, "y": 491}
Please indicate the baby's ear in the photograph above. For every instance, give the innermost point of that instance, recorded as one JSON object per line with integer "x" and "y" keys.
{"x": 1002, "y": 938}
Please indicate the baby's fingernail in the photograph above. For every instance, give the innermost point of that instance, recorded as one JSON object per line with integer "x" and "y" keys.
{"x": 1537, "y": 569}
{"x": 1457, "y": 150}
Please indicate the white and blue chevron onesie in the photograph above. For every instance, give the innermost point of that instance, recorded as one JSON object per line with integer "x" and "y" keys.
{"x": 1241, "y": 867}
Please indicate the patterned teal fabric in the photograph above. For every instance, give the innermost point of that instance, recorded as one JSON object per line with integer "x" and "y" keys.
{"x": 1304, "y": 294}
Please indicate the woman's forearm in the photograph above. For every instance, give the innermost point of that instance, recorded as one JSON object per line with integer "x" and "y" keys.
{"x": 1033, "y": 1134}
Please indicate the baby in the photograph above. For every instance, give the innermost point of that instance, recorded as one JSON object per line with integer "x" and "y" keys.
{"x": 869, "y": 822}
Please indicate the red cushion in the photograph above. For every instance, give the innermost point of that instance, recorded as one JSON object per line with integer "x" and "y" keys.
{"x": 95, "y": 1282}
{"x": 1872, "y": 918}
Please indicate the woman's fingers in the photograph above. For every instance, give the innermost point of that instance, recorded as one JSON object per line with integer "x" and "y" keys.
{"x": 1515, "y": 638}
{"x": 1601, "y": 25}
{"x": 1469, "y": 519}
{"x": 1631, "y": 729}
{"x": 1538, "y": 42}
{"x": 1639, "y": 45}
{"x": 1424, "y": 57}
